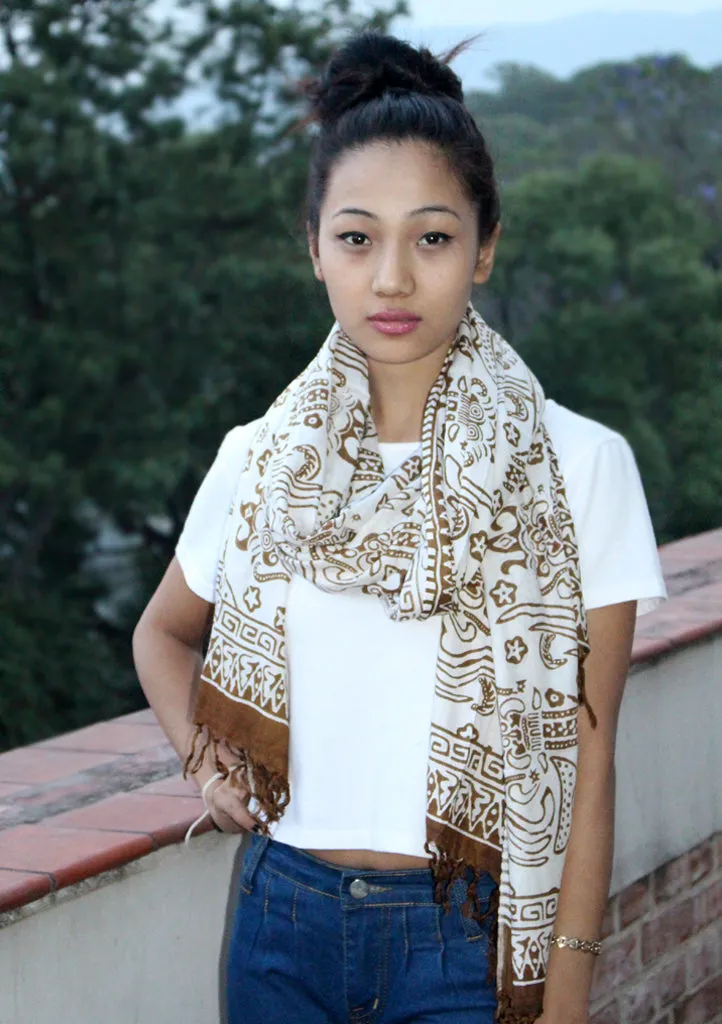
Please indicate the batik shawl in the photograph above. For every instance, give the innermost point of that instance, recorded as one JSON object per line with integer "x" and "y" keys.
{"x": 476, "y": 529}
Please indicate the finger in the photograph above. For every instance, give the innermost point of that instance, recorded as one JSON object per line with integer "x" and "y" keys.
{"x": 233, "y": 806}
{"x": 232, "y": 819}
{"x": 224, "y": 823}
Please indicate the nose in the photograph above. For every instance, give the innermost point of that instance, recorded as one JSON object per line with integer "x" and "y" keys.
{"x": 392, "y": 275}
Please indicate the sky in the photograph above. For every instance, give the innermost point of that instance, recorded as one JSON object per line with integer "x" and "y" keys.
{"x": 492, "y": 12}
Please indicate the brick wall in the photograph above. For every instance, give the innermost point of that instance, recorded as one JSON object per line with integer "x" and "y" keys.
{"x": 661, "y": 960}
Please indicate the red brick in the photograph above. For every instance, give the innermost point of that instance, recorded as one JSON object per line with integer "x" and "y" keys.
{"x": 109, "y": 737}
{"x": 671, "y": 878}
{"x": 703, "y": 1006}
{"x": 691, "y": 552}
{"x": 69, "y": 855}
{"x": 146, "y": 716}
{"x": 671, "y": 981}
{"x": 618, "y": 964}
{"x": 639, "y": 1002}
{"x": 34, "y": 765}
{"x": 20, "y": 887}
{"x": 648, "y": 648}
{"x": 9, "y": 790}
{"x": 701, "y": 862}
{"x": 667, "y": 930}
{"x": 708, "y": 905}
{"x": 165, "y": 818}
{"x": 685, "y": 620}
{"x": 634, "y": 902}
{"x": 176, "y": 785}
{"x": 703, "y": 957}
{"x": 608, "y": 1014}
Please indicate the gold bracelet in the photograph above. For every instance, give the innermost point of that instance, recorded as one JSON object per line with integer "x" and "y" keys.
{"x": 583, "y": 945}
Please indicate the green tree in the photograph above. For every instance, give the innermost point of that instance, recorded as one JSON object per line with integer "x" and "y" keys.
{"x": 150, "y": 282}
{"x": 76, "y": 90}
{"x": 655, "y": 108}
{"x": 602, "y": 285}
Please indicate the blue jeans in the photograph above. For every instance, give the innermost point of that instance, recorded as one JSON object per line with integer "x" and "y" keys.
{"x": 313, "y": 943}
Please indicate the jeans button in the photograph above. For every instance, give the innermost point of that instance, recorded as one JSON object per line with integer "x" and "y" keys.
{"x": 359, "y": 889}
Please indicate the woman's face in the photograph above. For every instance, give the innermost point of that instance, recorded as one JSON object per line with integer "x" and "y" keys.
{"x": 391, "y": 252}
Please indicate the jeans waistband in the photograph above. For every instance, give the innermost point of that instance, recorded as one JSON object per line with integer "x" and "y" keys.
{"x": 354, "y": 887}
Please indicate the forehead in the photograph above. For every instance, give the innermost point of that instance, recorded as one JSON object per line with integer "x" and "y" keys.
{"x": 386, "y": 177}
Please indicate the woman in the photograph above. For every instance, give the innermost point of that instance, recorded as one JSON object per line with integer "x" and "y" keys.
{"x": 422, "y": 601}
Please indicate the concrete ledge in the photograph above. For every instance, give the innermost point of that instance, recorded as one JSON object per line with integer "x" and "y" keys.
{"x": 87, "y": 802}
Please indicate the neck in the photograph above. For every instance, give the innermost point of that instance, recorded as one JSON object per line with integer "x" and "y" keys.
{"x": 398, "y": 395}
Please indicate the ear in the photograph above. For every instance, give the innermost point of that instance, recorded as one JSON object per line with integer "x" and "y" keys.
{"x": 313, "y": 252}
{"x": 485, "y": 263}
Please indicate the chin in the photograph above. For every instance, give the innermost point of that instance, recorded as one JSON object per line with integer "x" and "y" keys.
{"x": 397, "y": 358}
{"x": 390, "y": 350}
{"x": 393, "y": 352}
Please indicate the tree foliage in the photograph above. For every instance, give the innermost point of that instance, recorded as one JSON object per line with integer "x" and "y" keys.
{"x": 660, "y": 109}
{"x": 602, "y": 283}
{"x": 142, "y": 266}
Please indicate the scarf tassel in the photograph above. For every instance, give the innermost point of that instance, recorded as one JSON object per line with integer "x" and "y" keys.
{"x": 506, "y": 1014}
{"x": 582, "y": 691}
{"x": 269, "y": 789}
{"x": 446, "y": 870}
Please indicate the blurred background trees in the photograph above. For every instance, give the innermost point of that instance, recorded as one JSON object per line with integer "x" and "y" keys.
{"x": 152, "y": 269}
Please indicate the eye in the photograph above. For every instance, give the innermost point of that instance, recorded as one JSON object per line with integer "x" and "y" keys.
{"x": 352, "y": 234}
{"x": 437, "y": 234}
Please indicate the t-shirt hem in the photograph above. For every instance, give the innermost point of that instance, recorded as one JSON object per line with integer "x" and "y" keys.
{"x": 648, "y": 596}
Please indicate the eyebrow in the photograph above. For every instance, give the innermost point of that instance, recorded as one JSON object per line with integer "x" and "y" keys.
{"x": 411, "y": 213}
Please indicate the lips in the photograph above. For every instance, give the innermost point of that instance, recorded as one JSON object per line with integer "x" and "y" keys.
{"x": 395, "y": 316}
{"x": 395, "y": 322}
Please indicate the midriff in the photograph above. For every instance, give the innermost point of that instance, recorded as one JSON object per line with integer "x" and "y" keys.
{"x": 371, "y": 860}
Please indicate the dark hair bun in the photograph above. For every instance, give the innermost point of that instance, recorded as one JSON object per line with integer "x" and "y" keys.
{"x": 371, "y": 64}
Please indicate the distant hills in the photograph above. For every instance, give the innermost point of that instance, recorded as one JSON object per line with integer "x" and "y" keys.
{"x": 565, "y": 45}
{"x": 562, "y": 46}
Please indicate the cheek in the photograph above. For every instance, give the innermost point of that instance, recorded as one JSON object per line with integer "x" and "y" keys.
{"x": 453, "y": 261}
{"x": 336, "y": 264}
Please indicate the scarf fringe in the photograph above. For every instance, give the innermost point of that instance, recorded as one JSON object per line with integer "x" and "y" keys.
{"x": 446, "y": 870}
{"x": 193, "y": 768}
{"x": 582, "y": 690}
{"x": 269, "y": 789}
{"x": 506, "y": 1014}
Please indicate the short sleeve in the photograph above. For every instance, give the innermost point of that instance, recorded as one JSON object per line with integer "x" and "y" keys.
{"x": 618, "y": 552}
{"x": 199, "y": 545}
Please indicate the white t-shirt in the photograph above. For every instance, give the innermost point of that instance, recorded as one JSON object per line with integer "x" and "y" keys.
{"x": 361, "y": 685}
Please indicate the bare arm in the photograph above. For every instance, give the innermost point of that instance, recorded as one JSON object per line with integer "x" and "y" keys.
{"x": 588, "y": 863}
{"x": 167, "y": 646}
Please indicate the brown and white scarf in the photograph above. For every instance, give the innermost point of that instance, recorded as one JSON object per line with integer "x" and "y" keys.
{"x": 475, "y": 529}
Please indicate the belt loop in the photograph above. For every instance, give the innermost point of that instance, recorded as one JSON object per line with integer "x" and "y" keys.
{"x": 251, "y": 860}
